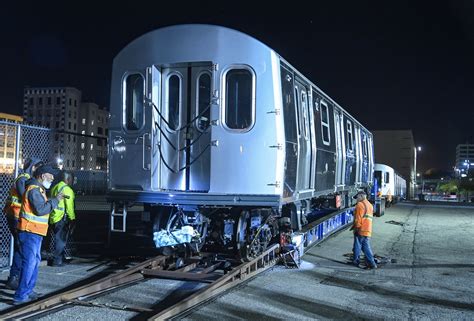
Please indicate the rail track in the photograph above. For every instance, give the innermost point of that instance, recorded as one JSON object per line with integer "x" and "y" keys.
{"x": 218, "y": 274}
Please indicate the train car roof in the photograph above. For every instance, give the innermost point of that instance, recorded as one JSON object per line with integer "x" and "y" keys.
{"x": 161, "y": 32}
{"x": 325, "y": 95}
{"x": 379, "y": 166}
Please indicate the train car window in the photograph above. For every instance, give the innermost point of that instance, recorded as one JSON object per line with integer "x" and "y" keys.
{"x": 387, "y": 177}
{"x": 238, "y": 99}
{"x": 174, "y": 89}
{"x": 305, "y": 114}
{"x": 325, "y": 123}
{"x": 349, "y": 136}
{"x": 133, "y": 101}
{"x": 204, "y": 101}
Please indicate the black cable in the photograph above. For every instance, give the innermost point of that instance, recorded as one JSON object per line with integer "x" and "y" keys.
{"x": 188, "y": 124}
{"x": 164, "y": 134}
{"x": 186, "y": 166}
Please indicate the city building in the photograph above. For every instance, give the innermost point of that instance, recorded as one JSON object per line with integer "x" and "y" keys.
{"x": 396, "y": 148}
{"x": 93, "y": 144}
{"x": 464, "y": 159}
{"x": 62, "y": 109}
{"x": 8, "y": 142}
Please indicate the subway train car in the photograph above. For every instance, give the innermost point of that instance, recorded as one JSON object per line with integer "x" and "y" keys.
{"x": 214, "y": 130}
{"x": 391, "y": 184}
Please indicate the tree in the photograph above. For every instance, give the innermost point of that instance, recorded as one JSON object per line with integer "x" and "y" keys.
{"x": 449, "y": 187}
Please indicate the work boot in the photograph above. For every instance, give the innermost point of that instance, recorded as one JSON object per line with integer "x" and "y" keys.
{"x": 21, "y": 302}
{"x": 12, "y": 283}
{"x": 34, "y": 295}
{"x": 56, "y": 263}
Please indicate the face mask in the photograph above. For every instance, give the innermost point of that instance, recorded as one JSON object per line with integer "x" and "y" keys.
{"x": 47, "y": 184}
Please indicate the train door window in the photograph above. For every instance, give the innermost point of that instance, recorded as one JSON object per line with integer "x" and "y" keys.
{"x": 298, "y": 111}
{"x": 387, "y": 177}
{"x": 325, "y": 123}
{"x": 239, "y": 99}
{"x": 378, "y": 176}
{"x": 304, "y": 107}
{"x": 364, "y": 145}
{"x": 174, "y": 101}
{"x": 349, "y": 136}
{"x": 203, "y": 101}
{"x": 133, "y": 101}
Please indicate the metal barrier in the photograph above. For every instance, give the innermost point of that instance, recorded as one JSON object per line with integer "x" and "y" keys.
{"x": 83, "y": 155}
{"x": 17, "y": 143}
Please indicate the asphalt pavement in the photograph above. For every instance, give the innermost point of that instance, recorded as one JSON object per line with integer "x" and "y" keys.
{"x": 430, "y": 275}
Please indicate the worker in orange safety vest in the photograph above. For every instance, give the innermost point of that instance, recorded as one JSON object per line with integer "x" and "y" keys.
{"x": 362, "y": 227}
{"x": 12, "y": 212}
{"x": 32, "y": 227}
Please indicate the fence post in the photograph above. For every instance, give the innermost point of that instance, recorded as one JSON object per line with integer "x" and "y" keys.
{"x": 17, "y": 156}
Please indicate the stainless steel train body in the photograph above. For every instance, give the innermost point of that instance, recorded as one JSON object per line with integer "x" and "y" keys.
{"x": 205, "y": 116}
{"x": 391, "y": 184}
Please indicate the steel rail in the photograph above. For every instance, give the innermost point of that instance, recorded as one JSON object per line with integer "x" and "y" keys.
{"x": 238, "y": 275}
{"x": 129, "y": 275}
{"x": 218, "y": 282}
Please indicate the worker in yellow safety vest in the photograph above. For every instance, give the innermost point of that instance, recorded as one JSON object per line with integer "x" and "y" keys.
{"x": 362, "y": 227}
{"x": 12, "y": 212}
{"x": 62, "y": 219}
{"x": 32, "y": 227}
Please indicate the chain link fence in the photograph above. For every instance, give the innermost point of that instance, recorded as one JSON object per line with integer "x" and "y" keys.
{"x": 82, "y": 155}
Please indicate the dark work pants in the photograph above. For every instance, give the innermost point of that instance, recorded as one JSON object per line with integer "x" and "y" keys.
{"x": 16, "y": 264}
{"x": 30, "y": 244}
{"x": 60, "y": 235}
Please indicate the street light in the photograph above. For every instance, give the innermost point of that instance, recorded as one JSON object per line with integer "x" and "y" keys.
{"x": 418, "y": 148}
{"x": 60, "y": 163}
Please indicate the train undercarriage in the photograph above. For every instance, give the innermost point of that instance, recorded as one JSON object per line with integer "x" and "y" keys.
{"x": 243, "y": 232}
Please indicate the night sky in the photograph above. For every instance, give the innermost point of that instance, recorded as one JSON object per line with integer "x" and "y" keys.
{"x": 405, "y": 66}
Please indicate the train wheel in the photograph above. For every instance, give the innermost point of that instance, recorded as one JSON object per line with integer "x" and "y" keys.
{"x": 254, "y": 232}
{"x": 242, "y": 236}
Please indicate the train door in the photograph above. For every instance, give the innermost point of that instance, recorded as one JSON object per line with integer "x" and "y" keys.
{"x": 130, "y": 145}
{"x": 340, "y": 149}
{"x": 350, "y": 172}
{"x": 291, "y": 132}
{"x": 185, "y": 128}
{"x": 370, "y": 157}
{"x": 312, "y": 103}
{"x": 358, "y": 154}
{"x": 365, "y": 158}
{"x": 304, "y": 137}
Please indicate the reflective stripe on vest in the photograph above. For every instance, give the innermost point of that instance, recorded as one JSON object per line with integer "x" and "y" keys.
{"x": 59, "y": 212}
{"x": 28, "y": 220}
{"x": 13, "y": 203}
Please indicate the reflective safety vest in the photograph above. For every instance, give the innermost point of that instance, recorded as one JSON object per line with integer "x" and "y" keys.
{"x": 13, "y": 203}
{"x": 29, "y": 221}
{"x": 363, "y": 216}
{"x": 65, "y": 206}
